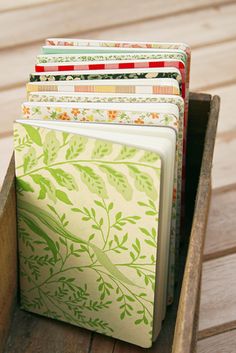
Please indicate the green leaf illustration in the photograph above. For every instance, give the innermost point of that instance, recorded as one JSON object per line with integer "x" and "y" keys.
{"x": 76, "y": 146}
{"x": 93, "y": 181}
{"x": 63, "y": 178}
{"x": 126, "y": 152}
{"x": 29, "y": 160}
{"x": 110, "y": 267}
{"x": 61, "y": 195}
{"x": 152, "y": 236}
{"x": 119, "y": 181}
{"x": 32, "y": 224}
{"x": 65, "y": 136}
{"x": 150, "y": 157}
{"x": 101, "y": 149}
{"x": 46, "y": 187}
{"x": 47, "y": 219}
{"x": 22, "y": 185}
{"x": 33, "y": 134}
{"x": 143, "y": 182}
{"x": 50, "y": 147}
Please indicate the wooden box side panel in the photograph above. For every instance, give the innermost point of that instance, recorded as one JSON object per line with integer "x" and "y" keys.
{"x": 187, "y": 316}
{"x": 8, "y": 253}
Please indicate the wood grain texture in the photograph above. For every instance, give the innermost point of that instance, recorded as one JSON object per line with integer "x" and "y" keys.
{"x": 218, "y": 300}
{"x": 220, "y": 232}
{"x": 19, "y": 4}
{"x": 10, "y": 101}
{"x": 8, "y": 256}
{"x": 213, "y": 66}
{"x": 216, "y": 330}
{"x": 204, "y": 30}
{"x": 185, "y": 334}
{"x": 31, "y": 333}
{"x": 222, "y": 343}
{"x": 207, "y": 63}
{"x": 224, "y": 166}
{"x": 6, "y": 147}
{"x": 65, "y": 18}
{"x": 227, "y": 121}
{"x": 102, "y": 344}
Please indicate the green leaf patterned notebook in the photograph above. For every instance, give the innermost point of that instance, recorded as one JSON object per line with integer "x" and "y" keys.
{"x": 91, "y": 253}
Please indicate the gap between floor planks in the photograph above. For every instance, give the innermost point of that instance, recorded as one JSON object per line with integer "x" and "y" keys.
{"x": 219, "y": 343}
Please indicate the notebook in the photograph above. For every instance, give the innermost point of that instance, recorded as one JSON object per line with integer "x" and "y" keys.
{"x": 100, "y": 155}
{"x": 82, "y": 273}
{"x": 174, "y": 120}
{"x": 148, "y": 86}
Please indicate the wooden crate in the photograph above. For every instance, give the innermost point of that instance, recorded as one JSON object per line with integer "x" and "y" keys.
{"x": 22, "y": 332}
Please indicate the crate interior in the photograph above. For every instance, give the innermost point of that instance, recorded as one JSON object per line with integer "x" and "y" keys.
{"x": 32, "y": 333}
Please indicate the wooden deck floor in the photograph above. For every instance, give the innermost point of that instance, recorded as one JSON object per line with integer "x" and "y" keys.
{"x": 209, "y": 26}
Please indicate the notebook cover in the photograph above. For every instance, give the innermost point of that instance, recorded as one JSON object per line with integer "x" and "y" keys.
{"x": 30, "y": 111}
{"x": 59, "y": 86}
{"x": 87, "y": 245}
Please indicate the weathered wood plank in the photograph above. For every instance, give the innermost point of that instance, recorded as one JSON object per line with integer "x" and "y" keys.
{"x": 205, "y": 29}
{"x": 102, "y": 344}
{"x": 222, "y": 343}
{"x": 220, "y": 232}
{"x": 218, "y": 296}
{"x": 10, "y": 102}
{"x": 224, "y": 167}
{"x": 32, "y": 333}
{"x": 187, "y": 317}
{"x": 18, "y": 4}
{"x": 227, "y": 121}
{"x": 207, "y": 23}
{"x": 68, "y": 17}
{"x": 8, "y": 257}
{"x": 213, "y": 66}
{"x": 6, "y": 146}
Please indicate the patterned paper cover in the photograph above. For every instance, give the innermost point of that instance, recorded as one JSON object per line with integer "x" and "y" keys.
{"x": 34, "y": 111}
{"x": 87, "y": 241}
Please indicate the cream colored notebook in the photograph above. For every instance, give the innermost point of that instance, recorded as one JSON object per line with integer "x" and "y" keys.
{"x": 90, "y": 253}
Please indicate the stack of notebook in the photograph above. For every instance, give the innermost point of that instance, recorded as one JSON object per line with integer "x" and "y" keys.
{"x": 100, "y": 163}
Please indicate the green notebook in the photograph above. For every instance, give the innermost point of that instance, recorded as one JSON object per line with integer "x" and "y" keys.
{"x": 91, "y": 252}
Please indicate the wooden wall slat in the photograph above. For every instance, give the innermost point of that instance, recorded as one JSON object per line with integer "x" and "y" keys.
{"x": 224, "y": 166}
{"x": 222, "y": 343}
{"x": 220, "y": 232}
{"x": 10, "y": 102}
{"x": 8, "y": 256}
{"x": 218, "y": 295}
{"x": 203, "y": 30}
{"x": 6, "y": 153}
{"x": 71, "y": 16}
{"x": 10, "y": 5}
{"x": 227, "y": 121}
{"x": 213, "y": 66}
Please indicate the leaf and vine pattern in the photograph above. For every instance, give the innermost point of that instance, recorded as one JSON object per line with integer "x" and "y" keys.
{"x": 88, "y": 231}
{"x": 32, "y": 110}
